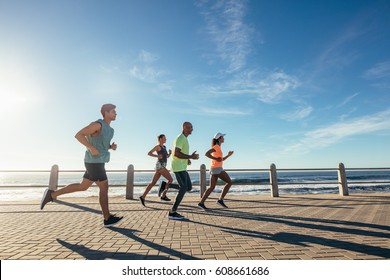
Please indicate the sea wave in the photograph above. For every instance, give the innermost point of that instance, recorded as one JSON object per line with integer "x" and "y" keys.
{"x": 244, "y": 183}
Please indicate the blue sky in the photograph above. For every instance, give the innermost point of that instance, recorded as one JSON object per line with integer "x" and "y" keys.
{"x": 297, "y": 83}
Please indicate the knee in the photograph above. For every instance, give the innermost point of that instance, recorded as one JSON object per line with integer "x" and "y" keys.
{"x": 84, "y": 187}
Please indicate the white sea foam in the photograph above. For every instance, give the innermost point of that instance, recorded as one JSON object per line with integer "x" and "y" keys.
{"x": 244, "y": 183}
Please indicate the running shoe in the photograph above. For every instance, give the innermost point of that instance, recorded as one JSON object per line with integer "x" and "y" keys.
{"x": 202, "y": 206}
{"x": 142, "y": 200}
{"x": 46, "y": 197}
{"x": 161, "y": 188}
{"x": 112, "y": 220}
{"x": 165, "y": 198}
{"x": 175, "y": 216}
{"x": 220, "y": 202}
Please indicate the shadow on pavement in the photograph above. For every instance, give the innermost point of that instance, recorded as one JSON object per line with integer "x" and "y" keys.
{"x": 92, "y": 254}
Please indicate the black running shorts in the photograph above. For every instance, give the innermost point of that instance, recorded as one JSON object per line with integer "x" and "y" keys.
{"x": 95, "y": 172}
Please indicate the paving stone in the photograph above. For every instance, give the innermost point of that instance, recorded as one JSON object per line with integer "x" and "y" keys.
{"x": 307, "y": 227}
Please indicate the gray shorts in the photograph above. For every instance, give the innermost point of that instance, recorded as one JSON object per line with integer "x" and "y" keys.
{"x": 216, "y": 171}
{"x": 160, "y": 165}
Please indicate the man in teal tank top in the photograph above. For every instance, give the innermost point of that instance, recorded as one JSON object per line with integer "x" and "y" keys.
{"x": 96, "y": 137}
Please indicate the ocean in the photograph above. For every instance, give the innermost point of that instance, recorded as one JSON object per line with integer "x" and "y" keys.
{"x": 24, "y": 186}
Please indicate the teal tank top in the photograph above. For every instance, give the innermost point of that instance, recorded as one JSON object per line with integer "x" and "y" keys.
{"x": 102, "y": 143}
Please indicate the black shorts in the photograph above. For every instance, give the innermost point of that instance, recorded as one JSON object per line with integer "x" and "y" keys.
{"x": 95, "y": 172}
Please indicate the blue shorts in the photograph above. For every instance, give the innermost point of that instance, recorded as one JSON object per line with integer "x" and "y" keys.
{"x": 95, "y": 172}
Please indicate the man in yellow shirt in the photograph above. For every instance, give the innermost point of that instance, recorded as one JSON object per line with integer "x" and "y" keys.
{"x": 180, "y": 161}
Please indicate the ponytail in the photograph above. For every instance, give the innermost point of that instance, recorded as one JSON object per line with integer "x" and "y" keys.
{"x": 214, "y": 142}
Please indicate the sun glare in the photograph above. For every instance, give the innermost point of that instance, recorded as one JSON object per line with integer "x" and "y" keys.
{"x": 17, "y": 90}
{"x": 11, "y": 99}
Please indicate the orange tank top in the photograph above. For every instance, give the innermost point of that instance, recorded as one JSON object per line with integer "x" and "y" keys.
{"x": 217, "y": 154}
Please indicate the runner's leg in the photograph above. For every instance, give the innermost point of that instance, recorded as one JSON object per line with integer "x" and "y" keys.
{"x": 213, "y": 183}
{"x": 77, "y": 187}
{"x": 182, "y": 178}
{"x": 167, "y": 176}
{"x": 156, "y": 176}
{"x": 226, "y": 178}
{"x": 103, "y": 197}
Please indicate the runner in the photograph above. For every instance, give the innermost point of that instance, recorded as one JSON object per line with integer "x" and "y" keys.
{"x": 96, "y": 137}
{"x": 181, "y": 159}
{"x": 216, "y": 170}
{"x": 160, "y": 152}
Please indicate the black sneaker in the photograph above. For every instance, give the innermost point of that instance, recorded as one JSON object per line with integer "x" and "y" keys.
{"x": 175, "y": 216}
{"x": 161, "y": 188}
{"x": 165, "y": 198}
{"x": 202, "y": 206}
{"x": 112, "y": 220}
{"x": 142, "y": 200}
{"x": 46, "y": 197}
{"x": 220, "y": 202}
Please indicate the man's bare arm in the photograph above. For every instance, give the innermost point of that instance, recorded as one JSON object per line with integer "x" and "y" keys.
{"x": 81, "y": 136}
{"x": 180, "y": 155}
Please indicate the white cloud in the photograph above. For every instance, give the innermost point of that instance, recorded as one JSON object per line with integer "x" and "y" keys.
{"x": 109, "y": 69}
{"x": 380, "y": 74}
{"x": 347, "y": 114}
{"x": 226, "y": 27}
{"x": 270, "y": 89}
{"x": 298, "y": 114}
{"x": 348, "y": 99}
{"x": 144, "y": 68}
{"x": 147, "y": 57}
{"x": 145, "y": 73}
{"x": 378, "y": 71}
{"x": 326, "y": 136}
{"x": 225, "y": 111}
{"x": 339, "y": 53}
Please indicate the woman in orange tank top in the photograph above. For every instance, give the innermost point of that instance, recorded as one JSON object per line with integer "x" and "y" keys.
{"x": 216, "y": 171}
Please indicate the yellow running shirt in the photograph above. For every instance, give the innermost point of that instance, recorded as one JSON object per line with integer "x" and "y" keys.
{"x": 179, "y": 164}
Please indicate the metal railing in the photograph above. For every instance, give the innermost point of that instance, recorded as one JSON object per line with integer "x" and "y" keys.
{"x": 273, "y": 172}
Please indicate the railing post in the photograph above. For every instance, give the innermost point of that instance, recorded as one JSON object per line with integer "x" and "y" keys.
{"x": 273, "y": 181}
{"x": 53, "y": 179}
{"x": 343, "y": 184}
{"x": 130, "y": 182}
{"x": 202, "y": 179}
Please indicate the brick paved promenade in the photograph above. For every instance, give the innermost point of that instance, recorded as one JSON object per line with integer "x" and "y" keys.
{"x": 257, "y": 227}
